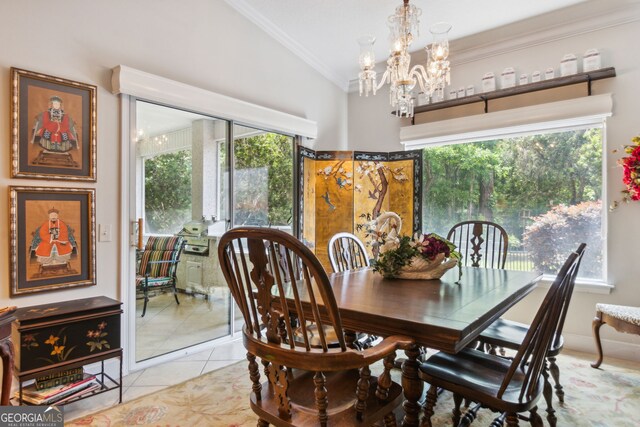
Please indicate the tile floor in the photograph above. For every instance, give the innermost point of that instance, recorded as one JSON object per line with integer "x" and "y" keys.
{"x": 168, "y": 326}
{"x": 159, "y": 377}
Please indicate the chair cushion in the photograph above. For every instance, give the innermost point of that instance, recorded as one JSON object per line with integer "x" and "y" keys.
{"x": 622, "y": 312}
{"x": 153, "y": 281}
{"x": 510, "y": 334}
{"x": 471, "y": 369}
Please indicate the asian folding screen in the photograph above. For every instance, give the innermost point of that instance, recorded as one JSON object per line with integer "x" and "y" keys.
{"x": 344, "y": 190}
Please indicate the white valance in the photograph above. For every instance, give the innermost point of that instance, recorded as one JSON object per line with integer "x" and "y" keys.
{"x": 553, "y": 116}
{"x": 130, "y": 81}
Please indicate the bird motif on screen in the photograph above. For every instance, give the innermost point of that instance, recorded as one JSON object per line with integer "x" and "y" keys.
{"x": 325, "y": 196}
{"x": 342, "y": 182}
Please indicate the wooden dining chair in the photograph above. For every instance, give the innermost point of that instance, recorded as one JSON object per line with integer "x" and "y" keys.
{"x": 509, "y": 387}
{"x": 509, "y": 334}
{"x": 6, "y": 353}
{"x": 347, "y": 252}
{"x": 481, "y": 243}
{"x": 304, "y": 385}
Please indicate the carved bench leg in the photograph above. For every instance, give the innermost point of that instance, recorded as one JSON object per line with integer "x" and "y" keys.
{"x": 597, "y": 322}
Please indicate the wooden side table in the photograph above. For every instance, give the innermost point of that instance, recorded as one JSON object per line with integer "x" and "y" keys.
{"x": 6, "y": 352}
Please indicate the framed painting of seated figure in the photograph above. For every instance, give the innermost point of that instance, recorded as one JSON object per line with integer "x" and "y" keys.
{"x": 53, "y": 127}
{"x": 52, "y": 238}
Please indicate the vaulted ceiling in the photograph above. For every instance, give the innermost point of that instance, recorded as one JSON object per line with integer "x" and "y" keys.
{"x": 324, "y": 32}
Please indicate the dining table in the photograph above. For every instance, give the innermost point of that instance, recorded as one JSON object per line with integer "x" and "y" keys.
{"x": 446, "y": 314}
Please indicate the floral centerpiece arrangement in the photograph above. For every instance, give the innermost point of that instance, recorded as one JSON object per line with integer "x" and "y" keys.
{"x": 631, "y": 170}
{"x": 422, "y": 257}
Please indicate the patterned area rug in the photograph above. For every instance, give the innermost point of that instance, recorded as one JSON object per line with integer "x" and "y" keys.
{"x": 609, "y": 396}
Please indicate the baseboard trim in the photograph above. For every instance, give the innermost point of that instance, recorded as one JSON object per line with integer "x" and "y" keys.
{"x": 611, "y": 348}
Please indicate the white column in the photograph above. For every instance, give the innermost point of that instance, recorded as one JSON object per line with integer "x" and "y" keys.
{"x": 204, "y": 173}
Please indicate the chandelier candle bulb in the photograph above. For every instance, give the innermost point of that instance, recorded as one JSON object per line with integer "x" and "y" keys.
{"x": 431, "y": 77}
{"x": 367, "y": 61}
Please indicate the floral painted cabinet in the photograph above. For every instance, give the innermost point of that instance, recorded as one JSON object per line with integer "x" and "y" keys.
{"x": 53, "y": 336}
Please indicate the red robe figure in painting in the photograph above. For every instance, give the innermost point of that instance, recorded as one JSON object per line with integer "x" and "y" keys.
{"x": 53, "y": 242}
{"x": 54, "y": 130}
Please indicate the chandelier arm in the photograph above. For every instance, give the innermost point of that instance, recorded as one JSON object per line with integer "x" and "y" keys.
{"x": 383, "y": 79}
{"x": 420, "y": 75}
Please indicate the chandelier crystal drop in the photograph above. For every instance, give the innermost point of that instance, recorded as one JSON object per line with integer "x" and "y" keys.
{"x": 431, "y": 78}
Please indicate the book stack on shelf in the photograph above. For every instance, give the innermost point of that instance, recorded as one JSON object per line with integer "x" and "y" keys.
{"x": 59, "y": 378}
{"x": 61, "y": 393}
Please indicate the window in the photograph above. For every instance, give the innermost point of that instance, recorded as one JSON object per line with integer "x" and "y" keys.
{"x": 167, "y": 192}
{"x": 544, "y": 189}
{"x": 263, "y": 178}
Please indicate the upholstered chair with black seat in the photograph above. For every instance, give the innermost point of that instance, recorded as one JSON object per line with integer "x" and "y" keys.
{"x": 304, "y": 384}
{"x": 507, "y": 386}
{"x": 509, "y": 334}
{"x": 347, "y": 252}
{"x": 157, "y": 267}
{"x": 481, "y": 243}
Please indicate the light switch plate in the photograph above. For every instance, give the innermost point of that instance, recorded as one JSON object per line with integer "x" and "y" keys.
{"x": 104, "y": 234}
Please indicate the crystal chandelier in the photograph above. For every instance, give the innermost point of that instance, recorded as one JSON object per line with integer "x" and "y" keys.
{"x": 432, "y": 77}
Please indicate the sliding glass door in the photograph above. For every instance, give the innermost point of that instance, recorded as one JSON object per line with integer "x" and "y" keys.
{"x": 195, "y": 177}
{"x": 262, "y": 182}
{"x": 182, "y": 189}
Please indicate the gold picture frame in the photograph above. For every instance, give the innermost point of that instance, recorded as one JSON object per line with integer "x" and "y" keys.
{"x": 53, "y": 238}
{"x": 53, "y": 127}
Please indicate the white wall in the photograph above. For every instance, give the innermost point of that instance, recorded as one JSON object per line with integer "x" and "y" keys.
{"x": 371, "y": 127}
{"x": 204, "y": 43}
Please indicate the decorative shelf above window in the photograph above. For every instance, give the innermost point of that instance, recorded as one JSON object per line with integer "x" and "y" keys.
{"x": 588, "y": 77}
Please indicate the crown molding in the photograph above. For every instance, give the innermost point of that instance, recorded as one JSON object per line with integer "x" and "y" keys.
{"x": 547, "y": 28}
{"x": 280, "y": 36}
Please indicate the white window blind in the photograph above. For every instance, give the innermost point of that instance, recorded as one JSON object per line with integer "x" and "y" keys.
{"x": 140, "y": 84}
